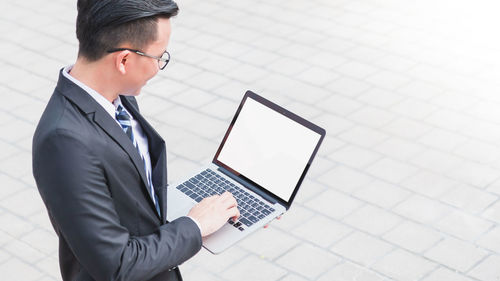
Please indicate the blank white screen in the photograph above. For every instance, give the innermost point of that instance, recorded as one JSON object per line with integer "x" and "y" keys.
{"x": 268, "y": 148}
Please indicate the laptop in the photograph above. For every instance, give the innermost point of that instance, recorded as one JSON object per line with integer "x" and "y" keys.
{"x": 262, "y": 160}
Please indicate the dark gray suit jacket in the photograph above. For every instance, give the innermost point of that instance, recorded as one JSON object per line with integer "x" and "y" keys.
{"x": 92, "y": 181}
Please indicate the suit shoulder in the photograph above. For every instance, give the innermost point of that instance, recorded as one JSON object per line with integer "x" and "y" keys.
{"x": 60, "y": 115}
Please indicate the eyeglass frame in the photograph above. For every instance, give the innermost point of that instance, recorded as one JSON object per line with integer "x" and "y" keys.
{"x": 140, "y": 53}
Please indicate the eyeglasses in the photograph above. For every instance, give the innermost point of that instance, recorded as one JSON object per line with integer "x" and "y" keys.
{"x": 162, "y": 61}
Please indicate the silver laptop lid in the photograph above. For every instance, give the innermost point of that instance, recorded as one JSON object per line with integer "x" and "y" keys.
{"x": 269, "y": 147}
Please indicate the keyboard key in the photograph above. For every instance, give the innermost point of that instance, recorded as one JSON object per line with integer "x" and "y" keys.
{"x": 266, "y": 212}
{"x": 230, "y": 221}
{"x": 245, "y": 221}
{"x": 241, "y": 228}
{"x": 238, "y": 224}
{"x": 189, "y": 185}
{"x": 260, "y": 216}
{"x": 253, "y": 219}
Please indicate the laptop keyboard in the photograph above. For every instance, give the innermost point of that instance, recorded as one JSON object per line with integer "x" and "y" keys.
{"x": 209, "y": 183}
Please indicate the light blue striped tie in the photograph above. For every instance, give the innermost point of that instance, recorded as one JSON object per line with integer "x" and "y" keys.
{"x": 124, "y": 120}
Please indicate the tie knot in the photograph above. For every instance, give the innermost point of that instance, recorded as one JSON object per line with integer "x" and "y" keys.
{"x": 121, "y": 114}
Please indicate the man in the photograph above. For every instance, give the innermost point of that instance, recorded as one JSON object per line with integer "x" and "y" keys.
{"x": 99, "y": 165}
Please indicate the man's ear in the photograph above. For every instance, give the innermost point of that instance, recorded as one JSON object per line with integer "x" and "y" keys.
{"x": 121, "y": 61}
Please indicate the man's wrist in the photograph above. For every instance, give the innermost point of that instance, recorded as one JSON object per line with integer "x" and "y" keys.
{"x": 196, "y": 222}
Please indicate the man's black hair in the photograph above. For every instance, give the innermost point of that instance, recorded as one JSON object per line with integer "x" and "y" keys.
{"x": 105, "y": 24}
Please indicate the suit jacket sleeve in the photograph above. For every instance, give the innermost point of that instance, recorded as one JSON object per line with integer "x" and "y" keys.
{"x": 73, "y": 185}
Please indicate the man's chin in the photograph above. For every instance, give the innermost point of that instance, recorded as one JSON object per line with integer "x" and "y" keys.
{"x": 132, "y": 93}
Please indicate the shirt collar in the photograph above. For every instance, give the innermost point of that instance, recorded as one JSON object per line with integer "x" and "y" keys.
{"x": 100, "y": 99}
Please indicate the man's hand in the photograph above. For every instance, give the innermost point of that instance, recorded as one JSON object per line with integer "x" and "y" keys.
{"x": 213, "y": 212}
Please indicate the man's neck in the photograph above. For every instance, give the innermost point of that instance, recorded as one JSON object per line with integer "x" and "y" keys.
{"x": 95, "y": 76}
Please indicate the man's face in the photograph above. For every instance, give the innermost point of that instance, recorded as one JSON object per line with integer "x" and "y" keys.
{"x": 140, "y": 69}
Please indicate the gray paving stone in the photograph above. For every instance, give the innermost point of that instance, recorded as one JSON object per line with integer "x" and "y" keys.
{"x": 24, "y": 251}
{"x": 334, "y": 204}
{"x": 321, "y": 231}
{"x": 456, "y": 254}
{"x": 414, "y": 109}
{"x": 463, "y": 226}
{"x": 29, "y": 199}
{"x": 475, "y": 174}
{"x": 350, "y": 271}
{"x": 372, "y": 220}
{"x": 437, "y": 161}
{"x": 406, "y": 128}
{"x": 391, "y": 170}
{"x": 429, "y": 184}
{"x": 388, "y": 80}
{"x": 4, "y": 239}
{"x": 362, "y": 248}
{"x": 478, "y": 152}
{"x": 357, "y": 69}
{"x": 399, "y": 148}
{"x": 445, "y": 274}
{"x": 318, "y": 261}
{"x": 345, "y": 179}
{"x": 10, "y": 186}
{"x": 320, "y": 166}
{"x": 413, "y": 237}
{"x": 217, "y": 263}
{"x": 487, "y": 269}
{"x": 14, "y": 225}
{"x": 380, "y": 97}
{"x": 422, "y": 209}
{"x": 382, "y": 194}
{"x": 13, "y": 267}
{"x": 317, "y": 76}
{"x": 308, "y": 190}
{"x": 295, "y": 216}
{"x": 354, "y": 156}
{"x": 402, "y": 265}
{"x": 491, "y": 240}
{"x": 469, "y": 198}
{"x": 442, "y": 139}
{"x": 50, "y": 266}
{"x": 362, "y": 136}
{"x": 293, "y": 277}
{"x": 339, "y": 105}
{"x": 270, "y": 243}
{"x": 372, "y": 117}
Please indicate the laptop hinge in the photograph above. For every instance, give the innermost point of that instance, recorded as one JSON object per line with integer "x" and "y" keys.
{"x": 247, "y": 185}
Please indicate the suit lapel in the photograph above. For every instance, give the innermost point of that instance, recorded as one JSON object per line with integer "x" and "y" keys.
{"x": 110, "y": 126}
{"x": 157, "y": 152}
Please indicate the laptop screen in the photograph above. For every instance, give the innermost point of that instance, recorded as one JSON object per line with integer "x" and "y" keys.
{"x": 269, "y": 146}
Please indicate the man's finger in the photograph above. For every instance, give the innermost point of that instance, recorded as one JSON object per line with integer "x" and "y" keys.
{"x": 233, "y": 212}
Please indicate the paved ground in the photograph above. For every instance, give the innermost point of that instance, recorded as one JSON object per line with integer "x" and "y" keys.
{"x": 406, "y": 185}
